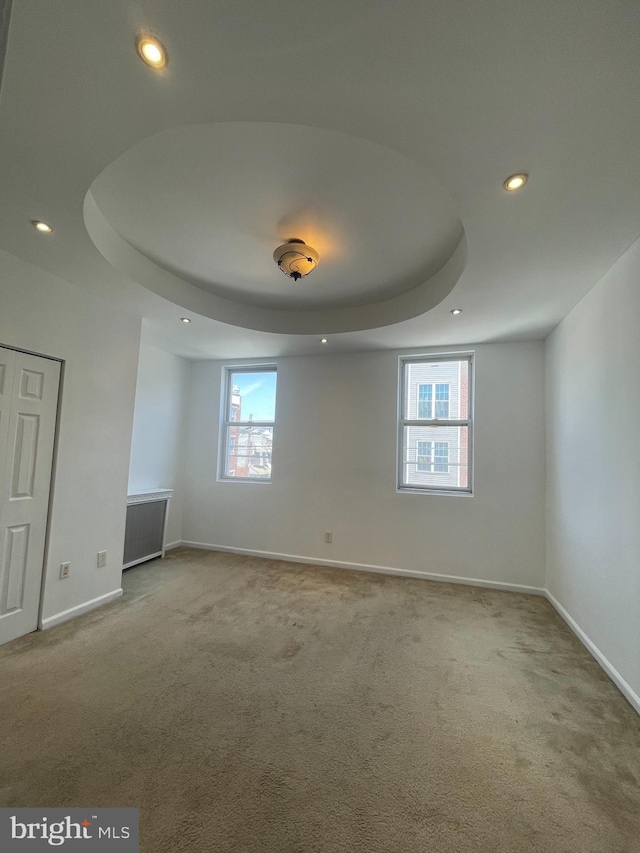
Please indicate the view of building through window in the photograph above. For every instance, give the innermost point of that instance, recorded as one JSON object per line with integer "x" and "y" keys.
{"x": 249, "y": 423}
{"x": 435, "y": 424}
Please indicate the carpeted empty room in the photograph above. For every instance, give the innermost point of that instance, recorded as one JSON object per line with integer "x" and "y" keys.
{"x": 253, "y": 705}
{"x": 319, "y": 406}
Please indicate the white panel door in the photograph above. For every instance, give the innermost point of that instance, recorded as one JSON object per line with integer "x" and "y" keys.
{"x": 28, "y": 405}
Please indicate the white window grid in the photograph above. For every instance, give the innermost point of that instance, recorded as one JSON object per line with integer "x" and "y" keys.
{"x": 403, "y": 483}
{"x": 432, "y": 457}
{"x": 227, "y": 422}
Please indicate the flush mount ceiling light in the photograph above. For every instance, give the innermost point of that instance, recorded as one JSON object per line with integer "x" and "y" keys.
{"x": 324, "y": 341}
{"x": 456, "y": 311}
{"x": 515, "y": 182}
{"x": 41, "y": 226}
{"x": 296, "y": 259}
{"x": 185, "y": 320}
{"x": 151, "y": 51}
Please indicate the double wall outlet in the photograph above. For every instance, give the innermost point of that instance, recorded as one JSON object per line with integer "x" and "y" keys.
{"x": 65, "y": 568}
{"x": 102, "y": 559}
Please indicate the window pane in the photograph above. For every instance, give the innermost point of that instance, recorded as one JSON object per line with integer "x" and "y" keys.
{"x": 442, "y": 401}
{"x": 441, "y": 457}
{"x": 425, "y": 402}
{"x": 248, "y": 452}
{"x": 445, "y": 466}
{"x": 252, "y": 396}
{"x": 423, "y": 456}
{"x": 435, "y": 457}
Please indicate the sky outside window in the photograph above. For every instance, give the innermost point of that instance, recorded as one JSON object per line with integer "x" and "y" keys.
{"x": 257, "y": 393}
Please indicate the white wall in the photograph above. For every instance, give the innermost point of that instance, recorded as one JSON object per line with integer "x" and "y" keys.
{"x": 334, "y": 469}
{"x": 158, "y": 429}
{"x": 43, "y": 314}
{"x": 593, "y": 471}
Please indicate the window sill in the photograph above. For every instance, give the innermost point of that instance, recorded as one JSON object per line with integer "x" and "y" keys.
{"x": 454, "y": 493}
{"x": 253, "y": 480}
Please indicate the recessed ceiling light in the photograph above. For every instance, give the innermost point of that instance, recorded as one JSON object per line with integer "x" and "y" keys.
{"x": 324, "y": 341}
{"x": 455, "y": 311}
{"x": 151, "y": 51}
{"x": 42, "y": 227}
{"x": 185, "y": 320}
{"x": 515, "y": 182}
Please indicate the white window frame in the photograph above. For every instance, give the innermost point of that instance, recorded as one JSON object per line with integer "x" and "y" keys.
{"x": 431, "y": 466}
{"x": 434, "y": 401}
{"x": 436, "y": 358}
{"x": 225, "y": 423}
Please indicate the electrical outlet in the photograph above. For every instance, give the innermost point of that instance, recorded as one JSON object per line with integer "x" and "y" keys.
{"x": 328, "y": 537}
{"x": 64, "y": 570}
{"x": 102, "y": 559}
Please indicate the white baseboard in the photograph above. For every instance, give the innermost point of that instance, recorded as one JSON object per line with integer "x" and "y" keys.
{"x": 630, "y": 695}
{"x": 79, "y": 609}
{"x": 172, "y": 545}
{"x": 363, "y": 567}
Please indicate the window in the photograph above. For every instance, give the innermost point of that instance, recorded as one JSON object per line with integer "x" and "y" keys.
{"x": 249, "y": 418}
{"x": 433, "y": 456}
{"x": 435, "y": 423}
{"x": 426, "y": 398}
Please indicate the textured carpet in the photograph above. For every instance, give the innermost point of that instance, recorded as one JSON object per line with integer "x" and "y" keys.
{"x": 250, "y": 705}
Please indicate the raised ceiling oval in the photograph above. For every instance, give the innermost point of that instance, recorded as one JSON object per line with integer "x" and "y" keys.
{"x": 194, "y": 213}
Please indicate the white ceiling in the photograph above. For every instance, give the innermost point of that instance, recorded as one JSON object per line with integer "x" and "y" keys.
{"x": 426, "y": 106}
{"x": 211, "y": 202}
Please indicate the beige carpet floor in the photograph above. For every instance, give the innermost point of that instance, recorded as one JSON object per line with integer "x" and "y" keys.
{"x": 248, "y": 705}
